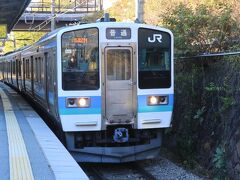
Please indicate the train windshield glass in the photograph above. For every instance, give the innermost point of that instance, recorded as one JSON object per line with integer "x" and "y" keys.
{"x": 154, "y": 54}
{"x": 118, "y": 64}
{"x": 80, "y": 61}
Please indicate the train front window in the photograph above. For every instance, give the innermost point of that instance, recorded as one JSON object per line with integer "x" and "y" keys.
{"x": 154, "y": 59}
{"x": 80, "y": 61}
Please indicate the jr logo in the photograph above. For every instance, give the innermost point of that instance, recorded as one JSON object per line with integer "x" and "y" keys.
{"x": 156, "y": 37}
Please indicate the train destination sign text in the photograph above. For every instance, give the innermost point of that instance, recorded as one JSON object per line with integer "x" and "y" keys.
{"x": 80, "y": 40}
{"x": 118, "y": 33}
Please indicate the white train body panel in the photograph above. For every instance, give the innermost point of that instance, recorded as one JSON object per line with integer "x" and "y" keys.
{"x": 103, "y": 41}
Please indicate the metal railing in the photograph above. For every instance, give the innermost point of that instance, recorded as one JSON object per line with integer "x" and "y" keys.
{"x": 208, "y": 55}
{"x": 70, "y": 6}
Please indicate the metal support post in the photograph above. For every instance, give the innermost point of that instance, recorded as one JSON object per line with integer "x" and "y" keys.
{"x": 139, "y": 10}
{"x": 87, "y": 6}
{"x": 101, "y": 4}
{"x": 75, "y": 5}
{"x": 59, "y": 6}
{"x": 53, "y": 15}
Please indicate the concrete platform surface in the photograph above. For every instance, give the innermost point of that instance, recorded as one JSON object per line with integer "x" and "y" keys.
{"x": 28, "y": 148}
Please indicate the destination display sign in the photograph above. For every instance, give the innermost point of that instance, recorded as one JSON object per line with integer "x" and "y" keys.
{"x": 118, "y": 33}
{"x": 80, "y": 40}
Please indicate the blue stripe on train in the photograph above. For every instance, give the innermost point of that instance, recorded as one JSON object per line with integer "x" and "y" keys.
{"x": 143, "y": 107}
{"x": 95, "y": 107}
{"x": 75, "y": 111}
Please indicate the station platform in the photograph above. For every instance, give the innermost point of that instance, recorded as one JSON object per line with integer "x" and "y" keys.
{"x": 28, "y": 148}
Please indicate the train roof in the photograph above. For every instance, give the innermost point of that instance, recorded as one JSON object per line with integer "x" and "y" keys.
{"x": 97, "y": 25}
{"x": 51, "y": 33}
{"x": 113, "y": 24}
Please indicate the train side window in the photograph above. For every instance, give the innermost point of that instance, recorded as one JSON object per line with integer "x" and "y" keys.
{"x": 19, "y": 68}
{"x": 13, "y": 67}
{"x": 6, "y": 65}
{"x": 9, "y": 70}
{"x": 40, "y": 69}
{"x": 27, "y": 69}
{"x": 1, "y": 68}
{"x": 5, "y": 70}
{"x": 24, "y": 68}
{"x": 31, "y": 68}
{"x": 36, "y": 69}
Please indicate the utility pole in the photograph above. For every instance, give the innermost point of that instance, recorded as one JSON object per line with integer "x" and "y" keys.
{"x": 53, "y": 15}
{"x": 101, "y": 4}
{"x": 139, "y": 10}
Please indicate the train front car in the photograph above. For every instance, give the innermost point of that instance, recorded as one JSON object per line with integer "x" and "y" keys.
{"x": 115, "y": 90}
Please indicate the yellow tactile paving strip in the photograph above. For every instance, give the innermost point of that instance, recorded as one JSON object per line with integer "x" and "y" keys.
{"x": 20, "y": 167}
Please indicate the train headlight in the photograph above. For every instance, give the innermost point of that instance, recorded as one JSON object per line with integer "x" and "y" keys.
{"x": 83, "y": 102}
{"x": 153, "y": 100}
{"x": 157, "y": 100}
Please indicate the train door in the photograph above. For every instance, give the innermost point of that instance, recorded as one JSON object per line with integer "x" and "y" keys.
{"x": 119, "y": 85}
{"x": 51, "y": 83}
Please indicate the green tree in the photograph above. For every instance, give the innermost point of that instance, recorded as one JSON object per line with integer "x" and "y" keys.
{"x": 93, "y": 17}
{"x": 202, "y": 29}
{"x": 123, "y": 10}
{"x": 21, "y": 39}
{"x": 3, "y": 31}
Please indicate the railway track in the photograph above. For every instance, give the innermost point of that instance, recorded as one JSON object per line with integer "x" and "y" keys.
{"x": 159, "y": 168}
{"x": 145, "y": 174}
{"x": 116, "y": 171}
{"x": 93, "y": 172}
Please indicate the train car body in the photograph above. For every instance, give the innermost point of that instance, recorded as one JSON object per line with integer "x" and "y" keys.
{"x": 109, "y": 87}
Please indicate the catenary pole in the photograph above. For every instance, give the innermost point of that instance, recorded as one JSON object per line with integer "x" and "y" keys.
{"x": 139, "y": 10}
{"x": 52, "y": 14}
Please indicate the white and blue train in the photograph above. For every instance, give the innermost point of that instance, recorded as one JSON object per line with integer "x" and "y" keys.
{"x": 109, "y": 87}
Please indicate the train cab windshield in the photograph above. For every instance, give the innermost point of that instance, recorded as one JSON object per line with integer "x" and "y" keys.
{"x": 154, "y": 59}
{"x": 80, "y": 61}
